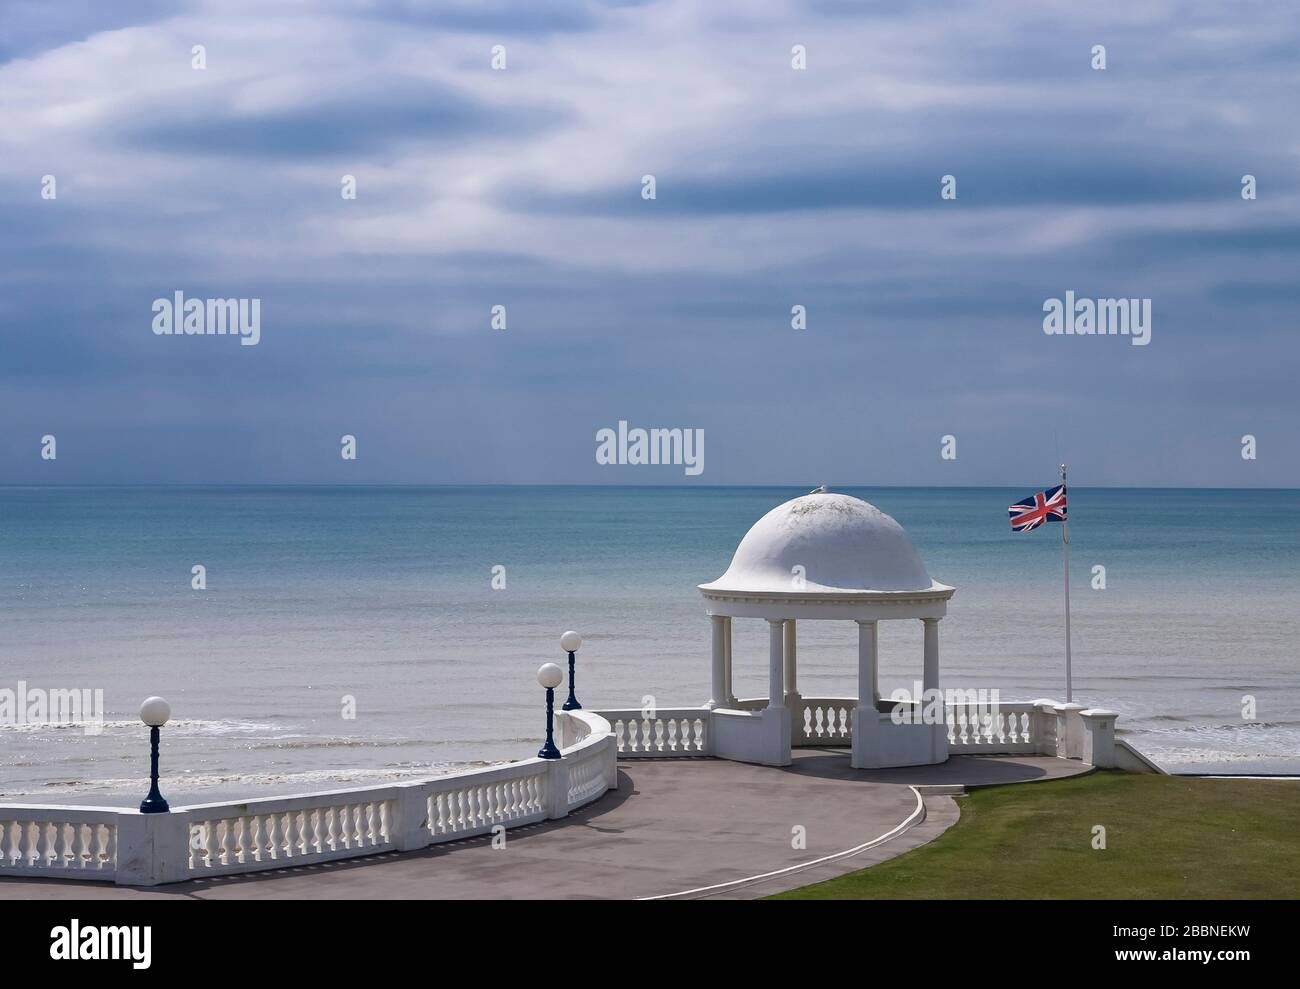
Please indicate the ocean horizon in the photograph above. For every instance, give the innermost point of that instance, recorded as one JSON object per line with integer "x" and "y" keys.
{"x": 383, "y": 594}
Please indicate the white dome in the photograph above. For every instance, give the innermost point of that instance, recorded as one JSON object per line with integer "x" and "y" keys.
{"x": 843, "y": 544}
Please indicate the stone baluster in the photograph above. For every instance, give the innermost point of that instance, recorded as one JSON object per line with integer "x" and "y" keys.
{"x": 110, "y": 847}
{"x": 208, "y": 831}
{"x": 334, "y": 838}
{"x": 61, "y": 845}
{"x": 219, "y": 832}
{"x": 78, "y": 845}
{"x": 97, "y": 845}
{"x": 44, "y": 849}
{"x": 271, "y": 837}
{"x": 293, "y": 833}
{"x": 367, "y": 824}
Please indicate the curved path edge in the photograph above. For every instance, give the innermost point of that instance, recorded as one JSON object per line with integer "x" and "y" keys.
{"x": 938, "y": 812}
{"x": 912, "y": 820}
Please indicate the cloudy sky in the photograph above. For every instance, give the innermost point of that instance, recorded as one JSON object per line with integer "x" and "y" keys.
{"x": 775, "y": 187}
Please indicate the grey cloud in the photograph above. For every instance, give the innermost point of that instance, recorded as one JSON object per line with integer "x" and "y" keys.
{"x": 1013, "y": 175}
{"x": 407, "y": 113}
{"x": 30, "y": 27}
{"x": 513, "y": 17}
{"x": 1127, "y": 184}
{"x": 1241, "y": 239}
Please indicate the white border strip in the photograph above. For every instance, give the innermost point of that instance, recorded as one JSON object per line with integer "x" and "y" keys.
{"x": 917, "y": 815}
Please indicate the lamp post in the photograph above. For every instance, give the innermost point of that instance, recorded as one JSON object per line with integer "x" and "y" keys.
{"x": 549, "y": 676}
{"x": 569, "y": 642}
{"x": 154, "y": 712}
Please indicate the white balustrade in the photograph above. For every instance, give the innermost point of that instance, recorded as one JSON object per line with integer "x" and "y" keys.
{"x": 472, "y": 803}
{"x": 665, "y": 732}
{"x": 1002, "y": 728}
{"x": 591, "y": 758}
{"x": 58, "y": 842}
{"x": 585, "y": 780}
{"x": 570, "y": 729}
{"x": 280, "y": 832}
{"x": 824, "y": 721}
{"x": 1008, "y": 728}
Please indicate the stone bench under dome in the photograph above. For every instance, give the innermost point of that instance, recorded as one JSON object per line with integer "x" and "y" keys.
{"x": 824, "y": 557}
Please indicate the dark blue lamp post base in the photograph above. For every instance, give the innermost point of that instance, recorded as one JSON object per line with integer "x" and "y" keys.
{"x": 549, "y": 751}
{"x": 154, "y": 803}
{"x": 572, "y": 703}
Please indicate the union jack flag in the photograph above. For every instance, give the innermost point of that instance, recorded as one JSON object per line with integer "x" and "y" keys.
{"x": 1045, "y": 506}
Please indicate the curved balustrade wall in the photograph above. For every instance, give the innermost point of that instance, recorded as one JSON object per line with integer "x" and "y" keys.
{"x": 282, "y": 831}
{"x": 117, "y": 845}
{"x": 1010, "y": 728}
{"x": 128, "y": 847}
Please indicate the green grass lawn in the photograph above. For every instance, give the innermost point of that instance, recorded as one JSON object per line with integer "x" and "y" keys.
{"x": 1166, "y": 837}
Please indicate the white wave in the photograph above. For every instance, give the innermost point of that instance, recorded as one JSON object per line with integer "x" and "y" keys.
{"x": 181, "y": 726}
{"x": 286, "y": 782}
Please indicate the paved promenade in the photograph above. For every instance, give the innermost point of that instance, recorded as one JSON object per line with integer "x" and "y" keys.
{"x": 675, "y": 828}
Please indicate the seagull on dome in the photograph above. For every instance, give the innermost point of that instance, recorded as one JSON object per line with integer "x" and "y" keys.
{"x": 820, "y": 489}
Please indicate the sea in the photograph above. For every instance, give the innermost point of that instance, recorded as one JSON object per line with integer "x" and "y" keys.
{"x": 363, "y": 634}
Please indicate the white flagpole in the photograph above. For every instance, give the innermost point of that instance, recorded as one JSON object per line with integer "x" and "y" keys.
{"x": 1065, "y": 542}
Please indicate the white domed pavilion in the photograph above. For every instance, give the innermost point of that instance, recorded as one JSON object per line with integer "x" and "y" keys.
{"x": 824, "y": 557}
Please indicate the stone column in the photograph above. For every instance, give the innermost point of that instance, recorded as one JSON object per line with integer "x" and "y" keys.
{"x": 718, "y": 691}
{"x": 868, "y": 677}
{"x": 412, "y": 826}
{"x": 930, "y": 679}
{"x": 776, "y": 663}
{"x": 557, "y": 788}
{"x": 866, "y": 721}
{"x": 791, "y": 673}
{"x": 1069, "y": 731}
{"x": 730, "y": 692}
{"x": 1098, "y": 737}
{"x": 1044, "y": 723}
{"x": 151, "y": 849}
{"x": 793, "y": 700}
